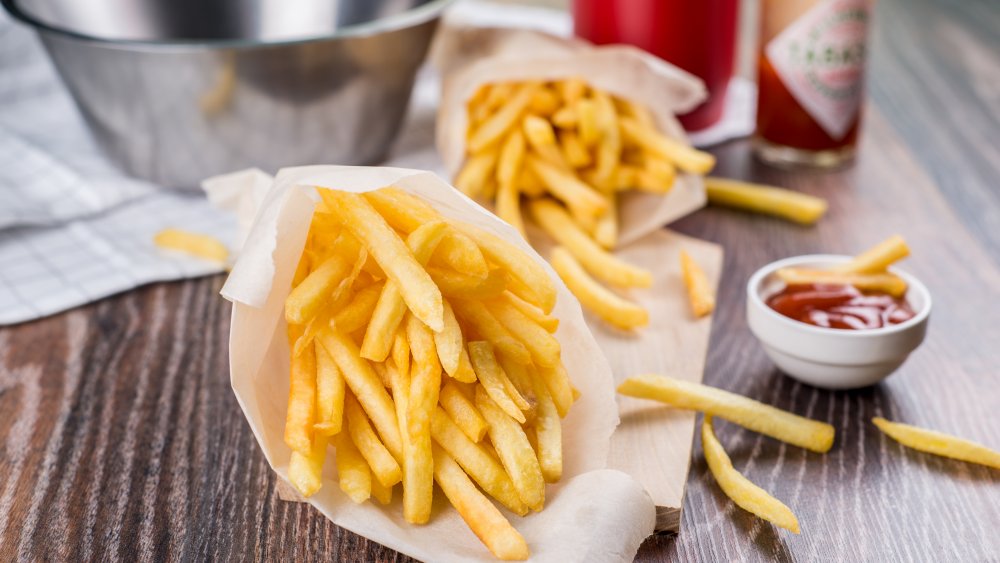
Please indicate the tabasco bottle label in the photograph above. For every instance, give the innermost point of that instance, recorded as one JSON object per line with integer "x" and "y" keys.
{"x": 820, "y": 58}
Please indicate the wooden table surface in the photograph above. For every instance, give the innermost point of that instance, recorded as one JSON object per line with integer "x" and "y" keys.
{"x": 120, "y": 437}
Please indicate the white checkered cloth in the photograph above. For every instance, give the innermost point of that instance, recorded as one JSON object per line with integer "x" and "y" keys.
{"x": 73, "y": 229}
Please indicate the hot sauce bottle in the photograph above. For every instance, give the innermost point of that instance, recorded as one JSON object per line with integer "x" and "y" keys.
{"x": 810, "y": 80}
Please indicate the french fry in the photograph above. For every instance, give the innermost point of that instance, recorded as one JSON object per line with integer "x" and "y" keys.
{"x": 511, "y": 158}
{"x": 544, "y": 102}
{"x": 301, "y": 412}
{"x": 765, "y": 419}
{"x": 635, "y": 111}
{"x": 536, "y": 286}
{"x": 605, "y": 304}
{"x": 465, "y": 372}
{"x": 534, "y": 313}
{"x": 610, "y": 145}
{"x": 352, "y": 470}
{"x": 484, "y": 519}
{"x": 587, "y": 123}
{"x": 877, "y": 258}
{"x": 493, "y": 379}
{"x": 391, "y": 307}
{"x": 508, "y": 207}
{"x": 487, "y": 326}
{"x": 606, "y": 230}
{"x": 583, "y": 202}
{"x": 565, "y": 117}
{"x": 885, "y": 283}
{"x": 401, "y": 352}
{"x": 516, "y": 383}
{"x": 573, "y": 149}
{"x": 557, "y": 383}
{"x": 195, "y": 244}
{"x": 542, "y": 140}
{"x": 571, "y": 90}
{"x": 366, "y": 386}
{"x": 381, "y": 493}
{"x": 656, "y": 176}
{"x": 406, "y": 213}
{"x": 938, "y": 443}
{"x": 462, "y": 411}
{"x": 744, "y": 493}
{"x": 385, "y": 468}
{"x": 454, "y": 284}
{"x": 396, "y": 260}
{"x": 543, "y": 347}
{"x": 330, "y": 390}
{"x": 449, "y": 342}
{"x": 515, "y": 453}
{"x": 529, "y": 183}
{"x": 504, "y": 119}
{"x": 548, "y": 433}
{"x": 306, "y": 471}
{"x": 684, "y": 157}
{"x": 356, "y": 314}
{"x": 306, "y": 299}
{"x": 700, "y": 294}
{"x": 787, "y": 204}
{"x": 474, "y": 458}
{"x": 425, "y": 383}
{"x": 558, "y": 224}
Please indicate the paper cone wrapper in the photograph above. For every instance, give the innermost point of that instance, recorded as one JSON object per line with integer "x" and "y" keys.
{"x": 593, "y": 514}
{"x": 471, "y": 56}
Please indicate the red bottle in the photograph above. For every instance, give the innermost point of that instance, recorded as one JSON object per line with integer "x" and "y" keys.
{"x": 810, "y": 80}
{"x": 699, "y": 36}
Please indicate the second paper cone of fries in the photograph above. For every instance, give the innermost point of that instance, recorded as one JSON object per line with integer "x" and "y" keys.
{"x": 345, "y": 412}
{"x": 516, "y": 63}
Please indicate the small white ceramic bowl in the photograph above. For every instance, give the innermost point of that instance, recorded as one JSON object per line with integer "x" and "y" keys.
{"x": 827, "y": 357}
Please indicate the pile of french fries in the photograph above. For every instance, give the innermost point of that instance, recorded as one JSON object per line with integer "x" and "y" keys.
{"x": 567, "y": 152}
{"x": 422, "y": 349}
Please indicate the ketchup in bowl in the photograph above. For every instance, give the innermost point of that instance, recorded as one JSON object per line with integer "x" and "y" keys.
{"x": 840, "y": 306}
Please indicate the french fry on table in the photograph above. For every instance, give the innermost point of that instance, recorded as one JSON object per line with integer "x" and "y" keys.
{"x": 700, "y": 295}
{"x": 787, "y": 204}
{"x": 744, "y": 493}
{"x": 938, "y": 443}
{"x": 748, "y": 413}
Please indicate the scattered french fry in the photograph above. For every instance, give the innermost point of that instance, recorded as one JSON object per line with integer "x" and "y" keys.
{"x": 878, "y": 258}
{"x": 765, "y": 419}
{"x": 613, "y": 309}
{"x": 882, "y": 282}
{"x": 938, "y": 443}
{"x": 700, "y": 294}
{"x": 744, "y": 493}
{"x": 787, "y": 204}
{"x": 195, "y": 244}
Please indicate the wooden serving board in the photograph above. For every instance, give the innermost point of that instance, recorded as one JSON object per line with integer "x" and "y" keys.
{"x": 653, "y": 442}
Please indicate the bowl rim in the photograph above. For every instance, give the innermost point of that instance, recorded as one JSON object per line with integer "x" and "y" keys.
{"x": 754, "y": 290}
{"x": 407, "y": 18}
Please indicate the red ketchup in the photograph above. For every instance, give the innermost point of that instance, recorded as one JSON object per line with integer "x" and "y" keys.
{"x": 840, "y": 306}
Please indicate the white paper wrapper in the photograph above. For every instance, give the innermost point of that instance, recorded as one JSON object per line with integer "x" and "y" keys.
{"x": 470, "y": 56}
{"x": 594, "y": 514}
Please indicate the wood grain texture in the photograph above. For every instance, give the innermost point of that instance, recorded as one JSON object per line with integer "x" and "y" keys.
{"x": 120, "y": 438}
{"x": 652, "y": 443}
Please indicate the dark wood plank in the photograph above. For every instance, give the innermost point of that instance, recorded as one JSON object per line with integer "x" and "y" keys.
{"x": 120, "y": 438}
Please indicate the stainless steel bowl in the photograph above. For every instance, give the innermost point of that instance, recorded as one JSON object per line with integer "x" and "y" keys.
{"x": 178, "y": 90}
